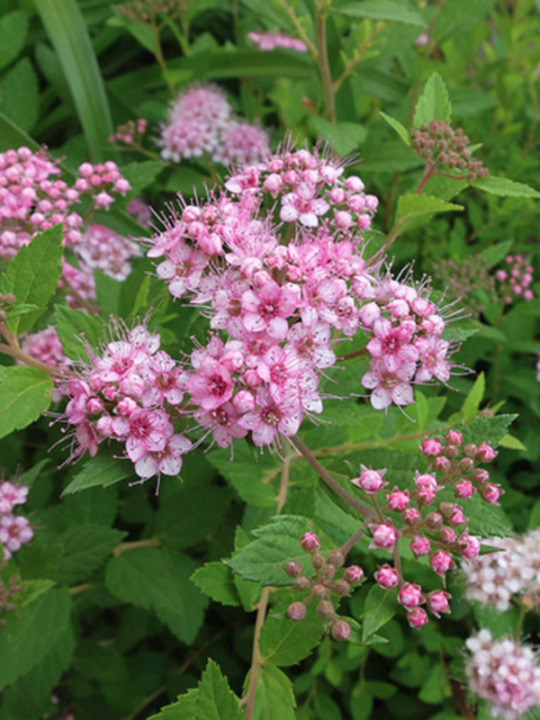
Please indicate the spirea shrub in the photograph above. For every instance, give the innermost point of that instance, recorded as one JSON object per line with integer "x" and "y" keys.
{"x": 268, "y": 395}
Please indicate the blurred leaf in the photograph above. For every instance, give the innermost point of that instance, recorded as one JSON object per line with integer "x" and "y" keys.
{"x": 504, "y": 187}
{"x": 19, "y": 95}
{"x": 494, "y": 254}
{"x": 381, "y": 606}
{"x": 13, "y": 31}
{"x": 142, "y": 174}
{"x": 472, "y": 402}
{"x": 411, "y": 205}
{"x": 398, "y": 127}
{"x": 33, "y": 275}
{"x": 511, "y": 442}
{"x": 68, "y": 33}
{"x": 217, "y": 581}
{"x": 344, "y": 137}
{"x": 433, "y": 103}
{"x": 388, "y": 10}
{"x": 25, "y": 393}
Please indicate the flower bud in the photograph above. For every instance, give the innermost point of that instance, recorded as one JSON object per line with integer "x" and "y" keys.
{"x": 302, "y": 583}
{"x": 451, "y": 452}
{"x": 486, "y": 453}
{"x": 384, "y": 536}
{"x": 469, "y": 546}
{"x": 341, "y": 630}
{"x": 310, "y": 542}
{"x": 420, "y": 546}
{"x": 410, "y": 595}
{"x": 293, "y": 569}
{"x": 447, "y": 536}
{"x": 434, "y": 520}
{"x": 431, "y": 448}
{"x": 454, "y": 437}
{"x": 441, "y": 562}
{"x": 327, "y": 572}
{"x": 470, "y": 450}
{"x": 370, "y": 481}
{"x": 398, "y": 500}
{"x": 417, "y": 618}
{"x": 481, "y": 476}
{"x": 354, "y": 574}
{"x": 342, "y": 587}
{"x": 438, "y": 602}
{"x": 336, "y": 558}
{"x": 317, "y": 560}
{"x": 325, "y": 609}
{"x": 442, "y": 464}
{"x": 412, "y": 516}
{"x": 319, "y": 591}
{"x": 491, "y": 493}
{"x": 387, "y": 577}
{"x": 466, "y": 464}
{"x": 297, "y": 611}
{"x": 464, "y": 489}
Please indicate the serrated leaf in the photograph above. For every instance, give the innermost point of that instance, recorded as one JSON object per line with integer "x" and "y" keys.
{"x": 344, "y": 137}
{"x": 185, "y": 708}
{"x": 411, "y": 206}
{"x": 102, "y": 470}
{"x": 387, "y": 10}
{"x": 274, "y": 697}
{"x": 472, "y": 402}
{"x": 486, "y": 429}
{"x": 160, "y": 580}
{"x": 33, "y": 275}
{"x": 86, "y": 547}
{"x": 142, "y": 174}
{"x": 217, "y": 581}
{"x": 31, "y": 590}
{"x": 74, "y": 327}
{"x": 216, "y": 699}
{"x": 13, "y": 31}
{"x": 381, "y": 606}
{"x": 504, "y": 187}
{"x": 284, "y": 642}
{"x": 25, "y": 393}
{"x": 433, "y": 103}
{"x": 264, "y": 559}
{"x": 398, "y": 127}
{"x": 486, "y": 520}
{"x": 32, "y": 633}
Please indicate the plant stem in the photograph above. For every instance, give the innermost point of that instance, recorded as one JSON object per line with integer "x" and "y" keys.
{"x": 324, "y": 65}
{"x": 303, "y": 449}
{"x": 353, "y": 62}
{"x": 352, "y": 541}
{"x": 300, "y": 30}
{"x": 13, "y": 350}
{"x": 150, "y": 542}
{"x": 352, "y": 355}
{"x": 429, "y": 171}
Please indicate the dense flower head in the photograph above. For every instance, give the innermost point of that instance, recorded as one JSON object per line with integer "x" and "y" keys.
{"x": 128, "y": 393}
{"x": 34, "y": 197}
{"x": 515, "y": 279}
{"x": 497, "y": 577}
{"x": 45, "y": 346}
{"x": 15, "y": 530}
{"x": 268, "y": 41}
{"x": 505, "y": 673}
{"x": 435, "y": 529}
{"x": 102, "y": 249}
{"x": 201, "y": 121}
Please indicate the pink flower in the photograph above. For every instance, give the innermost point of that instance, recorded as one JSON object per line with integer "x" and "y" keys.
{"x": 223, "y": 423}
{"x": 370, "y": 481}
{"x": 389, "y": 387}
{"x": 302, "y": 205}
{"x": 15, "y": 531}
{"x": 420, "y": 546}
{"x": 271, "y": 419}
{"x": 310, "y": 542}
{"x": 410, "y": 595}
{"x": 354, "y": 574}
{"x": 268, "y": 309}
{"x": 441, "y": 562}
{"x": 417, "y": 618}
{"x": 398, "y": 500}
{"x": 437, "y": 601}
{"x": 387, "y": 577}
{"x": 384, "y": 536}
{"x": 211, "y": 385}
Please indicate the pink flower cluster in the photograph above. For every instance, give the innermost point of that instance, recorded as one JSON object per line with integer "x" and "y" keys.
{"x": 130, "y": 394}
{"x": 321, "y": 588}
{"x": 129, "y": 134}
{"x": 45, "y": 346}
{"x": 105, "y": 250}
{"x": 437, "y": 530}
{"x": 268, "y": 41}
{"x": 33, "y": 197}
{"x": 498, "y": 577}
{"x": 516, "y": 279}
{"x": 201, "y": 122}
{"x": 505, "y": 673}
{"x": 15, "y": 530}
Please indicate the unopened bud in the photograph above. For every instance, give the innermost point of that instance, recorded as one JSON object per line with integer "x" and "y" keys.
{"x": 341, "y": 630}
{"x": 297, "y": 611}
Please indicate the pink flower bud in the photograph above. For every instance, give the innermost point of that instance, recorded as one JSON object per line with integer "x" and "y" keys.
{"x": 398, "y": 500}
{"x": 466, "y": 464}
{"x": 384, "y": 536}
{"x": 243, "y": 401}
{"x": 343, "y": 219}
{"x": 412, "y": 516}
{"x": 410, "y": 595}
{"x": 341, "y": 630}
{"x": 417, "y": 618}
{"x": 426, "y": 494}
{"x": 447, "y": 536}
{"x": 325, "y": 609}
{"x": 370, "y": 481}
{"x": 297, "y": 611}
{"x": 273, "y": 184}
{"x": 438, "y": 602}
{"x": 293, "y": 569}
{"x": 481, "y": 476}
{"x": 469, "y": 546}
{"x": 454, "y": 437}
{"x": 337, "y": 195}
{"x": 442, "y": 464}
{"x": 342, "y": 587}
{"x": 491, "y": 493}
{"x": 354, "y": 184}
{"x": 464, "y": 489}
{"x": 470, "y": 449}
{"x": 302, "y": 583}
{"x": 441, "y": 562}
{"x": 420, "y": 546}
{"x": 310, "y": 542}
{"x": 354, "y": 574}
{"x": 486, "y": 453}
{"x": 320, "y": 591}
{"x": 317, "y": 560}
{"x": 387, "y": 577}
{"x": 431, "y": 448}
{"x": 336, "y": 558}
{"x": 434, "y": 520}
{"x": 426, "y": 480}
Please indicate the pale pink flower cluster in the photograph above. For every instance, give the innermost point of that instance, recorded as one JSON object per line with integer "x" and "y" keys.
{"x": 46, "y": 347}
{"x": 15, "y": 530}
{"x": 201, "y": 122}
{"x": 268, "y": 41}
{"x": 103, "y": 249}
{"x": 436, "y": 529}
{"x": 505, "y": 673}
{"x": 129, "y": 393}
{"x": 494, "y": 579}
{"x": 33, "y": 197}
{"x": 516, "y": 279}
{"x": 142, "y": 213}
{"x": 79, "y": 284}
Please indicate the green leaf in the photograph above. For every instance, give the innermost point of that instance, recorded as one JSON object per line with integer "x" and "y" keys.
{"x": 433, "y": 103}
{"x": 86, "y": 547}
{"x": 284, "y": 642}
{"x": 12, "y": 136}
{"x": 486, "y": 429}
{"x": 25, "y": 393}
{"x": 142, "y": 174}
{"x": 504, "y": 187}
{"x": 274, "y": 697}
{"x": 31, "y": 633}
{"x": 33, "y": 275}
{"x": 496, "y": 253}
{"x": 19, "y": 95}
{"x": 13, "y": 31}
{"x": 511, "y": 442}
{"x": 67, "y": 31}
{"x": 264, "y": 559}
{"x": 100, "y": 471}
{"x": 74, "y": 327}
{"x": 398, "y": 127}
{"x": 381, "y": 606}
{"x": 31, "y": 590}
{"x": 185, "y": 708}
{"x": 157, "y": 579}
{"x": 486, "y": 520}
{"x": 344, "y": 137}
{"x": 412, "y": 206}
{"x": 389, "y": 10}
{"x": 472, "y": 402}
{"x": 217, "y": 581}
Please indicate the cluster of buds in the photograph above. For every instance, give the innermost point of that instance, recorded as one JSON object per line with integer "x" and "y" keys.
{"x": 516, "y": 279}
{"x": 145, "y": 11}
{"x": 131, "y": 133}
{"x": 8, "y": 592}
{"x": 462, "y": 280}
{"x": 269, "y": 41}
{"x": 437, "y": 530}
{"x": 326, "y": 583}
{"x": 440, "y": 145}
{"x": 100, "y": 180}
{"x": 15, "y": 530}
